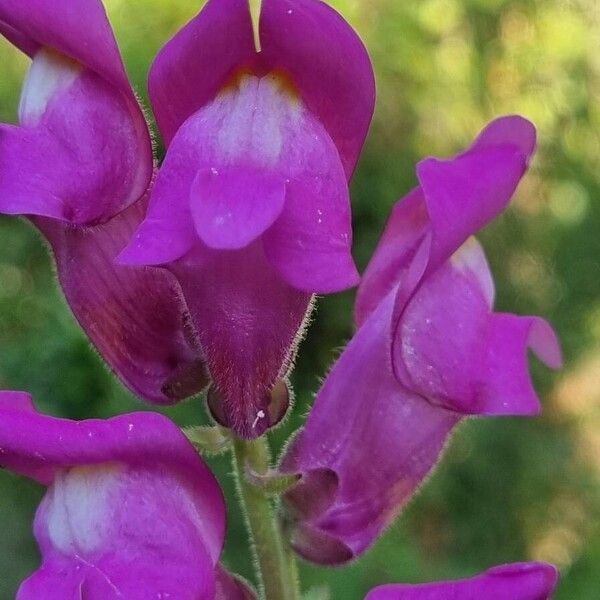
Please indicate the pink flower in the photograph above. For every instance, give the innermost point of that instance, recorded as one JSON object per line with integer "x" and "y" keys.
{"x": 429, "y": 351}
{"x": 131, "y": 511}
{"x": 250, "y": 210}
{"x": 78, "y": 165}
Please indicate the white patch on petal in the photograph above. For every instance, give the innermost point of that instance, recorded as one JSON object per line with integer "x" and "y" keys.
{"x": 471, "y": 257}
{"x": 49, "y": 74}
{"x": 79, "y": 508}
{"x": 254, "y": 117}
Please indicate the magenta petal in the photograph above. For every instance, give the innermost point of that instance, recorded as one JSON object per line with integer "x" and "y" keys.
{"x": 327, "y": 62}
{"x": 79, "y": 30}
{"x": 465, "y": 193}
{"x": 191, "y": 68}
{"x": 456, "y": 198}
{"x": 310, "y": 244}
{"x": 453, "y": 350}
{"x": 135, "y": 317}
{"x": 159, "y": 241}
{"x": 518, "y": 581}
{"x": 247, "y": 331}
{"x": 81, "y": 158}
{"x": 506, "y": 386}
{"x": 404, "y": 232}
{"x": 231, "y": 207}
{"x": 512, "y": 130}
{"x": 82, "y": 152}
{"x": 360, "y": 406}
{"x": 131, "y": 510}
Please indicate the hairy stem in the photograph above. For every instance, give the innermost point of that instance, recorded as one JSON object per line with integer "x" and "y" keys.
{"x": 277, "y": 576}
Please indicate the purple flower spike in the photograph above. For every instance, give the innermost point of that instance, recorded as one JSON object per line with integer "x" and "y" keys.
{"x": 429, "y": 351}
{"x": 519, "y": 581}
{"x": 78, "y": 165}
{"x": 250, "y": 210}
{"x": 131, "y": 511}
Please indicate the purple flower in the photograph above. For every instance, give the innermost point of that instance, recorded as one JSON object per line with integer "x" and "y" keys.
{"x": 429, "y": 352}
{"x": 250, "y": 209}
{"x": 78, "y": 166}
{"x": 131, "y": 511}
{"x": 519, "y": 581}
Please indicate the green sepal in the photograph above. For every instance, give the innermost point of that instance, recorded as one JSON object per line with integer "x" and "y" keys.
{"x": 208, "y": 439}
{"x": 272, "y": 483}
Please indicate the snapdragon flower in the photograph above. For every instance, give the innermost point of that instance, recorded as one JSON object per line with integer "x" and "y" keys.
{"x": 250, "y": 210}
{"x": 428, "y": 353}
{"x": 131, "y": 510}
{"x": 78, "y": 166}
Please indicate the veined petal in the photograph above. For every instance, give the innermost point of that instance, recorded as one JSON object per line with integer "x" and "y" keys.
{"x": 193, "y": 67}
{"x": 248, "y": 321}
{"x": 329, "y": 65}
{"x": 131, "y": 510}
{"x": 234, "y": 206}
{"x": 79, "y": 30}
{"x": 518, "y": 581}
{"x": 135, "y": 316}
{"x": 451, "y": 348}
{"x": 361, "y": 417}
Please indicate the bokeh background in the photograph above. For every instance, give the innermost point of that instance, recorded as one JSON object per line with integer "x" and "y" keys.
{"x": 507, "y": 489}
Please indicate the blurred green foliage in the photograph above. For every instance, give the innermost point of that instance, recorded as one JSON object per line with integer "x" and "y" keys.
{"x": 507, "y": 489}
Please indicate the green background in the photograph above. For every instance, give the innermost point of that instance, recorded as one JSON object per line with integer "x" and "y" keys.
{"x": 507, "y": 489}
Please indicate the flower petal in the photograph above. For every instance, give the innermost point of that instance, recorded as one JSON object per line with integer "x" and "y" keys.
{"x": 131, "y": 509}
{"x": 451, "y": 349}
{"x": 465, "y": 193}
{"x": 518, "y": 581}
{"x": 135, "y": 316}
{"x": 310, "y": 244}
{"x": 82, "y": 153}
{"x": 192, "y": 68}
{"x": 79, "y": 30}
{"x": 456, "y": 198}
{"x": 232, "y": 207}
{"x": 306, "y": 40}
{"x": 248, "y": 323}
{"x": 257, "y": 135}
{"x": 329, "y": 65}
{"x": 404, "y": 233}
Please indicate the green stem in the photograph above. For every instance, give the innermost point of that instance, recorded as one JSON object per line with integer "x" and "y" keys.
{"x": 277, "y": 576}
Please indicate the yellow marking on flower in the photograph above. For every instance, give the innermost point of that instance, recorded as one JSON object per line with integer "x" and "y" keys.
{"x": 280, "y": 79}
